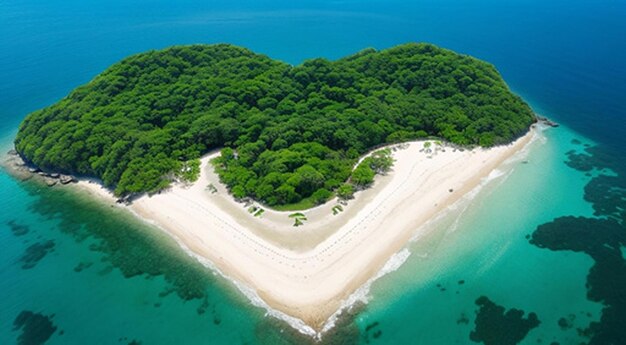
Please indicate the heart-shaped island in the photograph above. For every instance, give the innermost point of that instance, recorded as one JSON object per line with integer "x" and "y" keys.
{"x": 267, "y": 171}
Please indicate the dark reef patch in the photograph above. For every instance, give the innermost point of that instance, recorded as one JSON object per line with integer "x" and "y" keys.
{"x": 596, "y": 237}
{"x": 372, "y": 331}
{"x": 203, "y": 306}
{"x": 36, "y": 328}
{"x": 566, "y": 323}
{"x": 82, "y": 266}
{"x": 106, "y": 270}
{"x": 601, "y": 238}
{"x": 497, "y": 326}
{"x": 371, "y": 326}
{"x": 18, "y": 229}
{"x": 35, "y": 253}
{"x": 462, "y": 320}
{"x": 606, "y": 282}
{"x": 607, "y": 194}
{"x": 590, "y": 158}
{"x": 216, "y": 320}
{"x": 578, "y": 161}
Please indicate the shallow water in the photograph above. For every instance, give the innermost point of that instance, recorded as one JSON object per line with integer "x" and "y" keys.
{"x": 77, "y": 272}
{"x": 486, "y": 249}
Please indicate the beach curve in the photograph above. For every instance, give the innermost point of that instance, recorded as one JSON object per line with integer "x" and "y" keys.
{"x": 306, "y": 274}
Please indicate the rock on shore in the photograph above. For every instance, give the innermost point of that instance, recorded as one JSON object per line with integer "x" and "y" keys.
{"x": 20, "y": 169}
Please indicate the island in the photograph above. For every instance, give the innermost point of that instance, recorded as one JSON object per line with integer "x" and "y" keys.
{"x": 300, "y": 183}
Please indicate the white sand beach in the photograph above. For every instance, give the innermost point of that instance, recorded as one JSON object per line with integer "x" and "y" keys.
{"x": 307, "y": 271}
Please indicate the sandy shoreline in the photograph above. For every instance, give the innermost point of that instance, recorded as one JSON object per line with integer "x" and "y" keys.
{"x": 306, "y": 272}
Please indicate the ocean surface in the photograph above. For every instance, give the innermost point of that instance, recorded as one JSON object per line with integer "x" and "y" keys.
{"x": 537, "y": 257}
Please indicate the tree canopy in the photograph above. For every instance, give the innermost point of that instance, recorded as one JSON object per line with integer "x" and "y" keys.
{"x": 292, "y": 132}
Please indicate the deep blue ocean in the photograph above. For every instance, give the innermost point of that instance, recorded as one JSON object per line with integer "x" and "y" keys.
{"x": 547, "y": 239}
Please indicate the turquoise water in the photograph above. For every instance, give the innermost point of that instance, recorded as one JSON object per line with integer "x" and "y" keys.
{"x": 487, "y": 249}
{"x": 75, "y": 272}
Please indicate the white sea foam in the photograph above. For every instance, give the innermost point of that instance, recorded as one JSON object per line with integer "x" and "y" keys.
{"x": 362, "y": 293}
{"x": 257, "y": 301}
{"x": 461, "y": 205}
{"x": 247, "y": 291}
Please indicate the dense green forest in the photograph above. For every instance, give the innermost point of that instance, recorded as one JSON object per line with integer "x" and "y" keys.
{"x": 292, "y": 133}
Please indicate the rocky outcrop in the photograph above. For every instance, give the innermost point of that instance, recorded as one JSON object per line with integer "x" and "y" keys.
{"x": 50, "y": 181}
{"x": 65, "y": 179}
{"x": 546, "y": 121}
{"x": 24, "y": 171}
